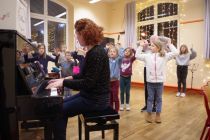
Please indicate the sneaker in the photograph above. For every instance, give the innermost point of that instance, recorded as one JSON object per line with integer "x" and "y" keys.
{"x": 128, "y": 107}
{"x": 183, "y": 95}
{"x": 178, "y": 94}
{"x": 121, "y": 107}
{"x": 144, "y": 109}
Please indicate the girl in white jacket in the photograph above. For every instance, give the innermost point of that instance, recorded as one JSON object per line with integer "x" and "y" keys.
{"x": 156, "y": 64}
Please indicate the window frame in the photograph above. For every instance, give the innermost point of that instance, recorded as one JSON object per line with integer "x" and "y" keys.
{"x": 157, "y": 20}
{"x": 45, "y": 17}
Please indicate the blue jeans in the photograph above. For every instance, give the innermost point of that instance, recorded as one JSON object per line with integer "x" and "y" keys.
{"x": 154, "y": 90}
{"x": 125, "y": 85}
{"x": 73, "y": 106}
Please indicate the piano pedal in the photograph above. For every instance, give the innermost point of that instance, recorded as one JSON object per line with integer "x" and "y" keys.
{"x": 31, "y": 124}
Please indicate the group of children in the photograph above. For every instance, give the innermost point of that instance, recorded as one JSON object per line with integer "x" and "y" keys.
{"x": 155, "y": 56}
{"x": 69, "y": 62}
{"x": 120, "y": 62}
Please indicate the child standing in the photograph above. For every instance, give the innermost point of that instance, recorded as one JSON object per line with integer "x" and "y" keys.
{"x": 114, "y": 65}
{"x": 42, "y": 57}
{"x": 182, "y": 61}
{"x": 146, "y": 49}
{"x": 67, "y": 70}
{"x": 125, "y": 76}
{"x": 155, "y": 63}
{"x": 79, "y": 54}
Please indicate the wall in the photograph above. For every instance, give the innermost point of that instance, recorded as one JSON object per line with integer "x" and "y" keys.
{"x": 14, "y": 16}
{"x": 97, "y": 12}
{"x": 191, "y": 34}
{"x": 78, "y": 9}
{"x": 7, "y": 14}
{"x": 111, "y": 17}
{"x": 117, "y": 21}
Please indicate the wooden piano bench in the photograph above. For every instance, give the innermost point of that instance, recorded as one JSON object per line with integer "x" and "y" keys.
{"x": 99, "y": 121}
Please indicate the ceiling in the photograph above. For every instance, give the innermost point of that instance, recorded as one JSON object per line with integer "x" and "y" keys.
{"x": 107, "y": 1}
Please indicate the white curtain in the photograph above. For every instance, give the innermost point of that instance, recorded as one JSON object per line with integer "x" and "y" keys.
{"x": 130, "y": 20}
{"x": 207, "y": 30}
{"x": 28, "y": 23}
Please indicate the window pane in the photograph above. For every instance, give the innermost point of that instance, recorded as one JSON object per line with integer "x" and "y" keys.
{"x": 37, "y": 6}
{"x": 144, "y": 32}
{"x": 167, "y": 9}
{"x": 146, "y": 14}
{"x": 37, "y": 30}
{"x": 56, "y": 35}
{"x": 168, "y": 29}
{"x": 56, "y": 10}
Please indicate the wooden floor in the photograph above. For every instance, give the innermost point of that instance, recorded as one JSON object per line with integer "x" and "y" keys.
{"x": 182, "y": 119}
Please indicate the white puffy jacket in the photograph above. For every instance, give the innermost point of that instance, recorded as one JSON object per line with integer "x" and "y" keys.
{"x": 155, "y": 64}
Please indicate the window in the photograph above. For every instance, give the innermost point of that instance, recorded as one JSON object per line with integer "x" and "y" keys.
{"x": 154, "y": 20}
{"x": 49, "y": 25}
{"x": 145, "y": 31}
{"x": 168, "y": 29}
{"x": 37, "y": 30}
{"x": 37, "y": 6}
{"x": 167, "y": 9}
{"x": 56, "y": 34}
{"x": 146, "y": 14}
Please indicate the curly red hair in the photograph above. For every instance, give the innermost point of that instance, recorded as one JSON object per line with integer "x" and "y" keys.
{"x": 91, "y": 33}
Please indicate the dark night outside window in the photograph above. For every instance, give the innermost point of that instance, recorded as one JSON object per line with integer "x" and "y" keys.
{"x": 146, "y": 14}
{"x": 168, "y": 29}
{"x": 167, "y": 9}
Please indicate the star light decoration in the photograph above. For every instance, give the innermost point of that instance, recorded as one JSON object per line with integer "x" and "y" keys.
{"x": 181, "y": 18}
{"x": 168, "y": 9}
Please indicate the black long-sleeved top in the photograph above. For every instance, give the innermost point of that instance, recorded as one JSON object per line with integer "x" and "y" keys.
{"x": 80, "y": 58}
{"x": 93, "y": 80}
{"x": 42, "y": 60}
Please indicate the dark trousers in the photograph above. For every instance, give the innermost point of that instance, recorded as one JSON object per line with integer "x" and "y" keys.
{"x": 73, "y": 106}
{"x": 125, "y": 86}
{"x": 182, "y": 72}
{"x": 114, "y": 98}
{"x": 145, "y": 89}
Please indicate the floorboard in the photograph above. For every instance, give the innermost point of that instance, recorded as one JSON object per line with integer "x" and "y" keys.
{"x": 182, "y": 119}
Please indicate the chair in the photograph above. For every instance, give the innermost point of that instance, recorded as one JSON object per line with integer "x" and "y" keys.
{"x": 99, "y": 121}
{"x": 207, "y": 123}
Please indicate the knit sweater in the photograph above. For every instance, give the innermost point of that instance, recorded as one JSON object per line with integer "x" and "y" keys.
{"x": 93, "y": 81}
{"x": 184, "y": 59}
{"x": 42, "y": 60}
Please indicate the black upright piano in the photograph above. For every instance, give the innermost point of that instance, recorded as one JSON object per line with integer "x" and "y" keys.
{"x": 23, "y": 95}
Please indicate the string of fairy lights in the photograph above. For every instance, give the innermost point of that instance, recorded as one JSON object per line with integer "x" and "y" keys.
{"x": 169, "y": 20}
{"x": 160, "y": 9}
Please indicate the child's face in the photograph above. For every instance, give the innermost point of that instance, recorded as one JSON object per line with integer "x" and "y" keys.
{"x": 68, "y": 56}
{"x": 154, "y": 48}
{"x": 63, "y": 48}
{"x": 183, "y": 49}
{"x": 127, "y": 52}
{"x": 41, "y": 50}
{"x": 118, "y": 45}
{"x": 112, "y": 53}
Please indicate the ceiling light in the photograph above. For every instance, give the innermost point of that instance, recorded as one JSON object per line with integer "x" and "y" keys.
{"x": 94, "y": 1}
